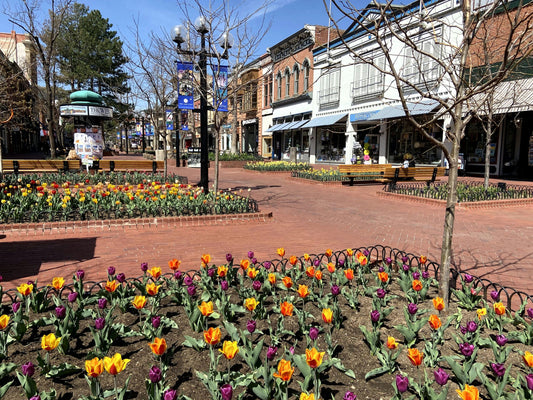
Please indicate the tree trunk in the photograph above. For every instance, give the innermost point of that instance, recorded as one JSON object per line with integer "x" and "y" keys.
{"x": 50, "y": 113}
{"x": 234, "y": 149}
{"x": 217, "y": 166}
{"x": 488, "y": 139}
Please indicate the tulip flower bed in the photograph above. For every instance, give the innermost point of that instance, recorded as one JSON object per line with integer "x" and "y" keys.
{"x": 37, "y": 200}
{"x": 277, "y": 166}
{"x": 340, "y": 325}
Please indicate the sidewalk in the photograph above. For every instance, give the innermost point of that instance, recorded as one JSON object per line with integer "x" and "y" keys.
{"x": 307, "y": 218}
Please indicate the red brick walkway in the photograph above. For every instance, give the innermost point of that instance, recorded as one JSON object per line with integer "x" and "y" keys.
{"x": 307, "y": 218}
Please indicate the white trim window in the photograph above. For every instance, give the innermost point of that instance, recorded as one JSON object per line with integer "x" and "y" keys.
{"x": 287, "y": 82}
{"x": 330, "y": 86}
{"x": 296, "y": 78}
{"x": 421, "y": 66}
{"x": 369, "y": 79}
{"x": 306, "y": 68}
{"x": 278, "y": 84}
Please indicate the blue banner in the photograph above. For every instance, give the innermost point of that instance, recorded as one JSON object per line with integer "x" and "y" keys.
{"x": 184, "y": 120}
{"x": 170, "y": 120}
{"x": 185, "y": 86}
{"x": 220, "y": 83}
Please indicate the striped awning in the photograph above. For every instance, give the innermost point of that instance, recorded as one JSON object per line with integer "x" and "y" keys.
{"x": 324, "y": 121}
{"x": 422, "y": 107}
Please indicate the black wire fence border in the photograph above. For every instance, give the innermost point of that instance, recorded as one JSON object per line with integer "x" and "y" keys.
{"x": 375, "y": 254}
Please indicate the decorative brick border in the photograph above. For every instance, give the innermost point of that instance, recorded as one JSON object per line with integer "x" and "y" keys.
{"x": 471, "y": 205}
{"x": 42, "y": 228}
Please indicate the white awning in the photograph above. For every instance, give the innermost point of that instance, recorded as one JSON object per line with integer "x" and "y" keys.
{"x": 423, "y": 107}
{"x": 324, "y": 121}
{"x": 507, "y": 97}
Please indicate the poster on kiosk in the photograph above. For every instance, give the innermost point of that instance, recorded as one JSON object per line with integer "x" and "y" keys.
{"x": 89, "y": 144}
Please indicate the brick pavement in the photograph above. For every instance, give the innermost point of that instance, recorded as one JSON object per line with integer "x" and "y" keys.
{"x": 494, "y": 243}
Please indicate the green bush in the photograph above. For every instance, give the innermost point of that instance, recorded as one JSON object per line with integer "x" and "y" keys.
{"x": 235, "y": 157}
{"x": 277, "y": 166}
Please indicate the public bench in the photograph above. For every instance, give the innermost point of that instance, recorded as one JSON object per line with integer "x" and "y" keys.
{"x": 128, "y": 165}
{"x": 363, "y": 172}
{"x": 426, "y": 174}
{"x": 20, "y": 166}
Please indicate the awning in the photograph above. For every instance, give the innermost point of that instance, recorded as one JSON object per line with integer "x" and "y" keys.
{"x": 508, "y": 97}
{"x": 299, "y": 124}
{"x": 291, "y": 125}
{"x": 423, "y": 107}
{"x": 274, "y": 128}
{"x": 363, "y": 116}
{"x": 324, "y": 121}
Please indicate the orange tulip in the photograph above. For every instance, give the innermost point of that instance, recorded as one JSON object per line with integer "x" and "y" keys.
{"x": 423, "y": 259}
{"x": 392, "y": 343}
{"x": 206, "y": 308}
{"x": 327, "y": 315}
{"x": 252, "y": 272}
{"x": 206, "y": 258}
{"x": 499, "y": 308}
{"x": 50, "y": 342}
{"x": 415, "y": 356}
{"x": 281, "y": 252}
{"x": 287, "y": 281}
{"x": 174, "y": 264}
{"x": 331, "y": 267}
{"x": 114, "y": 365}
{"x": 58, "y": 282}
{"x": 94, "y": 367}
{"x": 152, "y": 289}
{"x": 212, "y": 336}
{"x": 481, "y": 312}
{"x": 293, "y": 260}
{"x": 111, "y": 286}
{"x": 250, "y": 304}
{"x": 286, "y": 309}
{"x": 310, "y": 272}
{"x": 272, "y": 278}
{"x": 328, "y": 253}
{"x": 307, "y": 257}
{"x": 159, "y": 346}
{"x": 435, "y": 322}
{"x": 528, "y": 359}
{"x": 25, "y": 289}
{"x": 383, "y": 277}
{"x": 318, "y": 275}
{"x": 307, "y": 396}
{"x": 155, "y": 272}
{"x": 4, "y": 321}
{"x": 303, "y": 291}
{"x": 313, "y": 357}
{"x": 222, "y": 271}
{"x": 349, "y": 252}
{"x": 417, "y": 285}
{"x": 470, "y": 393}
{"x": 284, "y": 370}
{"x": 362, "y": 260}
{"x": 348, "y": 273}
{"x": 245, "y": 264}
{"x": 438, "y": 303}
{"x": 229, "y": 349}
{"x": 139, "y": 302}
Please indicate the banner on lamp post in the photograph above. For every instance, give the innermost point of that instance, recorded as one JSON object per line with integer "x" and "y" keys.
{"x": 220, "y": 83}
{"x": 170, "y": 120}
{"x": 185, "y": 86}
{"x": 184, "y": 120}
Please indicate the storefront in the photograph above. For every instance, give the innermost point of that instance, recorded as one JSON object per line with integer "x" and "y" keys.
{"x": 290, "y": 133}
{"x": 250, "y": 136}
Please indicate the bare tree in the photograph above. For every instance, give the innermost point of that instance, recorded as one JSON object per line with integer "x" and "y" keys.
{"x": 395, "y": 29}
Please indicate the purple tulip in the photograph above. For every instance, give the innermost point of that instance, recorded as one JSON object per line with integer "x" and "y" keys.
{"x": 102, "y": 303}
{"x": 226, "y": 391}
{"x": 349, "y": 396}
{"x": 15, "y": 306}
{"x": 28, "y": 369}
{"x": 72, "y": 296}
{"x": 501, "y": 340}
{"x": 250, "y": 254}
{"x": 30, "y": 282}
{"x": 313, "y": 333}
{"x": 191, "y": 290}
{"x": 254, "y": 260}
{"x": 224, "y": 285}
{"x": 187, "y": 280}
{"x": 441, "y": 377}
{"x": 335, "y": 290}
{"x": 405, "y": 267}
{"x": 495, "y": 295}
{"x": 170, "y": 395}
{"x": 121, "y": 278}
{"x": 36, "y": 397}
{"x": 111, "y": 271}
{"x": 529, "y": 381}
{"x": 471, "y": 326}
{"x": 412, "y": 308}
{"x": 416, "y": 275}
{"x": 366, "y": 252}
{"x": 374, "y": 316}
{"x": 341, "y": 263}
{"x": 144, "y": 267}
{"x": 381, "y": 293}
{"x": 405, "y": 259}
{"x": 498, "y": 369}
{"x": 402, "y": 383}
{"x": 463, "y": 329}
{"x": 178, "y": 275}
{"x": 381, "y": 269}
{"x": 530, "y": 313}
{"x": 425, "y": 274}
{"x": 251, "y": 325}
{"x": 80, "y": 274}
{"x": 468, "y": 278}
{"x": 61, "y": 311}
{"x": 267, "y": 264}
{"x": 292, "y": 350}
{"x": 99, "y": 323}
{"x": 388, "y": 260}
{"x": 211, "y": 272}
{"x": 466, "y": 349}
{"x": 271, "y": 352}
{"x": 229, "y": 257}
{"x": 155, "y": 374}
{"x": 156, "y": 321}
{"x": 256, "y": 285}
{"x": 316, "y": 262}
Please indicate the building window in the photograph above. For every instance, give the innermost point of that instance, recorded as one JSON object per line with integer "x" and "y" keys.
{"x": 250, "y": 97}
{"x": 330, "y": 87}
{"x": 306, "y": 70}
{"x": 368, "y": 79}
{"x": 278, "y": 83}
{"x": 287, "y": 82}
{"x": 421, "y": 66}
{"x": 267, "y": 91}
{"x": 296, "y": 77}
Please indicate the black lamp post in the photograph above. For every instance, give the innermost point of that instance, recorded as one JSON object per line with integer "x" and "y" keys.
{"x": 202, "y": 28}
{"x": 143, "y": 115}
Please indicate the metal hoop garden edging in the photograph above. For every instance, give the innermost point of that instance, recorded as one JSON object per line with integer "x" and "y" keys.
{"x": 375, "y": 254}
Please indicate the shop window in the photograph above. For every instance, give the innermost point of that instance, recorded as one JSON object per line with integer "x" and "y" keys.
{"x": 331, "y": 142}
{"x": 405, "y": 142}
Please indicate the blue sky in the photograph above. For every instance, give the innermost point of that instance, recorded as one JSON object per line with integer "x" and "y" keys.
{"x": 287, "y": 16}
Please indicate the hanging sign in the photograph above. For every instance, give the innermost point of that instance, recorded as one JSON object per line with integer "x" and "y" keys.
{"x": 185, "y": 86}
{"x": 220, "y": 83}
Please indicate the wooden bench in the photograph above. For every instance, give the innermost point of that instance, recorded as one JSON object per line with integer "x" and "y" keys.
{"x": 128, "y": 165}
{"x": 426, "y": 174}
{"x": 19, "y": 166}
{"x": 363, "y": 172}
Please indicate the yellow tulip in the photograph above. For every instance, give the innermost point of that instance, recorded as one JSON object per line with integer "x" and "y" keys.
{"x": 229, "y": 349}
{"x": 114, "y": 365}
{"x": 94, "y": 367}
{"x": 49, "y": 342}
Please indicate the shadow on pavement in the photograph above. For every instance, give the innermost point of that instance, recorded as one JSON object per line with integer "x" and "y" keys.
{"x": 24, "y": 258}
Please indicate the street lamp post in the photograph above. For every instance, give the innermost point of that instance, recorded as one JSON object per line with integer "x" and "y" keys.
{"x": 202, "y": 28}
